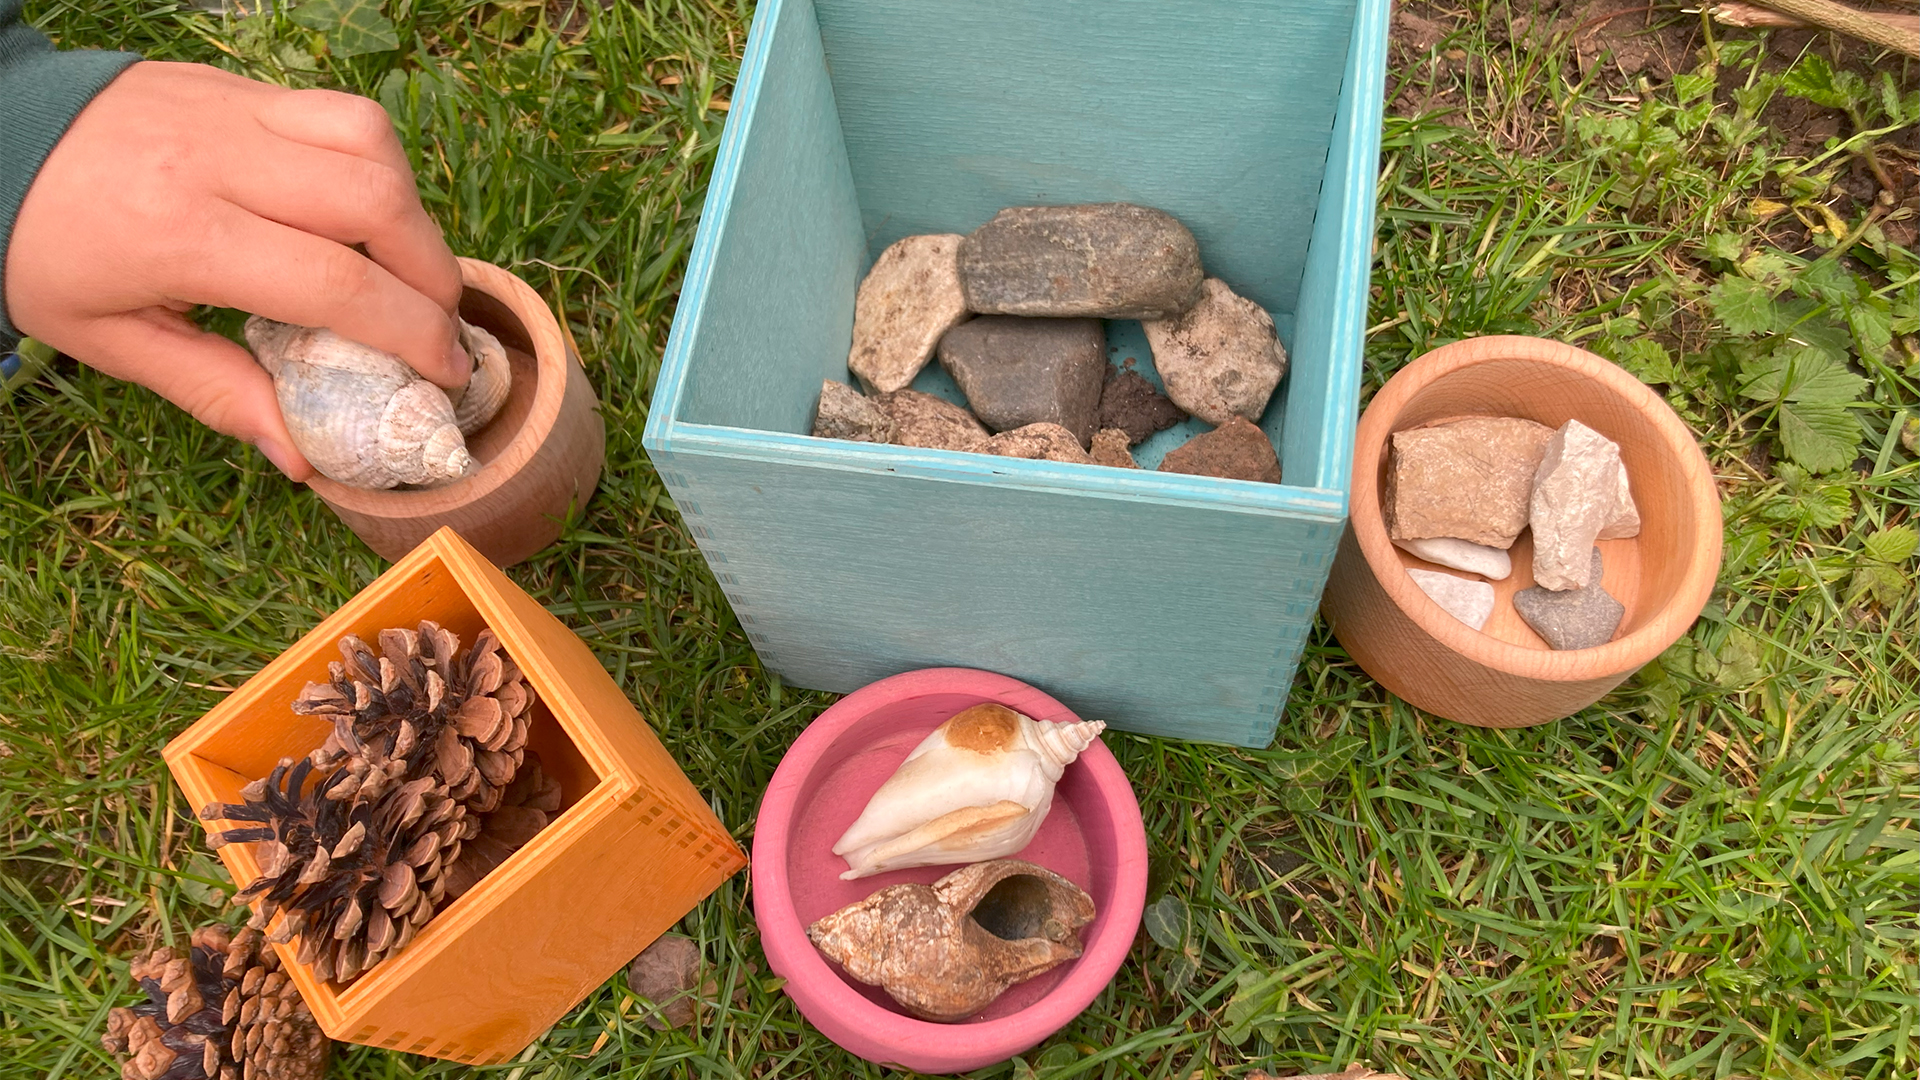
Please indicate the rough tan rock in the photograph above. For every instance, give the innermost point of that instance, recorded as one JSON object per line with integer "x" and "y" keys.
{"x": 1038, "y": 442}
{"x": 846, "y": 413}
{"x": 910, "y": 297}
{"x": 1236, "y": 450}
{"x": 1576, "y": 494}
{"x": 931, "y": 423}
{"x": 1470, "y": 479}
{"x": 1110, "y": 448}
{"x": 1220, "y": 359}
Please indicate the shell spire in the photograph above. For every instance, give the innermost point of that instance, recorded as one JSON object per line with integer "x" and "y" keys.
{"x": 976, "y": 788}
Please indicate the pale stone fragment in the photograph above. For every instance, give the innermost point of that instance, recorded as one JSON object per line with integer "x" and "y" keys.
{"x": 1576, "y": 618}
{"x": 1463, "y": 598}
{"x": 1220, "y": 359}
{"x": 906, "y": 302}
{"x": 1038, "y": 442}
{"x": 1470, "y": 479}
{"x": 846, "y": 413}
{"x": 931, "y": 423}
{"x": 1110, "y": 448}
{"x": 1576, "y": 494}
{"x": 1489, "y": 562}
{"x": 1626, "y": 515}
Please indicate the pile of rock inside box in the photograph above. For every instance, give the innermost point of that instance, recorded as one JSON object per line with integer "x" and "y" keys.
{"x": 1014, "y": 312}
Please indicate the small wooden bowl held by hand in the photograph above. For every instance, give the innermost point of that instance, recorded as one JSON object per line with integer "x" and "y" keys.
{"x": 1505, "y": 675}
{"x": 539, "y": 458}
{"x": 1092, "y": 837}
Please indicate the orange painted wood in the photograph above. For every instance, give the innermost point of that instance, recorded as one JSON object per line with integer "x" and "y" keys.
{"x": 539, "y": 458}
{"x": 633, "y": 850}
{"x": 1505, "y": 676}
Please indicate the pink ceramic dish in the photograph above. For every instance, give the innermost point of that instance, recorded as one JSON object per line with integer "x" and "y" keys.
{"x": 1093, "y": 837}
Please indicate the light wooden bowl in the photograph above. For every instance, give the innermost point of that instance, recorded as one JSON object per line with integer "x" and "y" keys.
{"x": 539, "y": 458}
{"x": 1504, "y": 675}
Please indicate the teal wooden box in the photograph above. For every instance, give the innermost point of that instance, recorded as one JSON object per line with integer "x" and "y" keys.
{"x": 1166, "y": 604}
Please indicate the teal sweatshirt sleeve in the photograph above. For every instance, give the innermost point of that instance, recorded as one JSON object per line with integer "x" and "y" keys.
{"x": 41, "y": 91}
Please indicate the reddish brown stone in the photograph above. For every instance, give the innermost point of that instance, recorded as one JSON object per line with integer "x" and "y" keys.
{"x": 1236, "y": 450}
{"x": 1110, "y": 448}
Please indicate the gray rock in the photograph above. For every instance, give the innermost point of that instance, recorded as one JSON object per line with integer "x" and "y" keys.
{"x": 908, "y": 299}
{"x": 1134, "y": 405}
{"x": 1573, "y": 618}
{"x": 1489, "y": 562}
{"x": 1110, "y": 448}
{"x": 845, "y": 413}
{"x": 1048, "y": 442}
{"x": 1576, "y": 494}
{"x": 1100, "y": 260}
{"x": 667, "y": 974}
{"x": 1018, "y": 371}
{"x": 931, "y": 423}
{"x": 1470, "y": 479}
{"x": 1221, "y": 358}
{"x": 1236, "y": 450}
{"x": 1465, "y": 599}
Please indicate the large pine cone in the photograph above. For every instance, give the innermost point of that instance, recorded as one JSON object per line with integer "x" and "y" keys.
{"x": 355, "y": 874}
{"x": 464, "y": 719}
{"x": 527, "y": 805}
{"x": 224, "y": 1011}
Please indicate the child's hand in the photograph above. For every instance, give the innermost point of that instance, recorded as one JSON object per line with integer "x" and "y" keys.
{"x": 182, "y": 185}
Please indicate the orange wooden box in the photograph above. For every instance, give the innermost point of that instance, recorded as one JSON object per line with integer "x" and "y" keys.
{"x": 634, "y": 848}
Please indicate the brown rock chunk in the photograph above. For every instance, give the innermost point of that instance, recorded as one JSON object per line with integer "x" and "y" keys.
{"x": 1110, "y": 448}
{"x": 1018, "y": 371}
{"x": 908, "y": 299}
{"x": 1221, "y": 358}
{"x": 667, "y": 974}
{"x": 1471, "y": 479}
{"x": 1134, "y": 405}
{"x": 846, "y": 413}
{"x": 1039, "y": 442}
{"x": 1098, "y": 260}
{"x": 1576, "y": 495}
{"x": 1236, "y": 450}
{"x": 931, "y": 423}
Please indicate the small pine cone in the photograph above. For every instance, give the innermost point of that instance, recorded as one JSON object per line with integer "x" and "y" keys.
{"x": 526, "y": 806}
{"x": 200, "y": 1044}
{"x": 416, "y": 702}
{"x": 353, "y": 878}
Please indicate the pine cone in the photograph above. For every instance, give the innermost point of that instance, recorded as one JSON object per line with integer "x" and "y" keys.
{"x": 354, "y": 875}
{"x": 526, "y": 806}
{"x": 464, "y": 719}
{"x": 224, "y": 1011}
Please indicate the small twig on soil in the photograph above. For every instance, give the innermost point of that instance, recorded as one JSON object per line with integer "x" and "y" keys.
{"x": 1863, "y": 25}
{"x": 1755, "y": 17}
{"x": 1609, "y": 17}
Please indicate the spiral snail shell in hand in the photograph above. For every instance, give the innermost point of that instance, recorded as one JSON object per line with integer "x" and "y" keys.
{"x": 366, "y": 419}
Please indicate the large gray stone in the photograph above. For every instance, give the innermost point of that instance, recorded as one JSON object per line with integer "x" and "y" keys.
{"x": 910, "y": 297}
{"x": 1576, "y": 495}
{"x": 1039, "y": 442}
{"x": 931, "y": 423}
{"x": 1101, "y": 260}
{"x": 1465, "y": 599}
{"x": 845, "y": 413}
{"x": 1219, "y": 359}
{"x": 1573, "y": 618}
{"x": 1018, "y": 371}
{"x": 1470, "y": 479}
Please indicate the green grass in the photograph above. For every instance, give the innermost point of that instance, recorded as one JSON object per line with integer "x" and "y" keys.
{"x": 1710, "y": 873}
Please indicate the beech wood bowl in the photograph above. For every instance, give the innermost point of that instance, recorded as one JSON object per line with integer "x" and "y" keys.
{"x": 1505, "y": 675}
{"x": 1093, "y": 837}
{"x": 539, "y": 458}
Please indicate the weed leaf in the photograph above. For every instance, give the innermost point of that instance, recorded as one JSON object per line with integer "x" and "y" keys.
{"x": 1799, "y": 373}
{"x": 353, "y": 27}
{"x": 1871, "y": 321}
{"x": 1180, "y": 972}
{"x": 1167, "y": 922}
{"x": 1893, "y": 545}
{"x": 1882, "y": 570}
{"x": 1742, "y": 306}
{"x": 1257, "y": 996}
{"x": 1821, "y": 436}
{"x": 1815, "y": 80}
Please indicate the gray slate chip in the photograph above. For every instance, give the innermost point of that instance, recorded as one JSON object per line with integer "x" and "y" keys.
{"x": 1103, "y": 260}
{"x": 1573, "y": 618}
{"x": 1018, "y": 371}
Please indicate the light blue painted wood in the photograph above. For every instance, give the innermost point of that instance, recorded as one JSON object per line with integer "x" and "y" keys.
{"x": 1170, "y": 604}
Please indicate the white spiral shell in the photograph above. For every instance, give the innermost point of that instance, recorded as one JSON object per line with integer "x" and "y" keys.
{"x": 977, "y": 788}
{"x": 366, "y": 419}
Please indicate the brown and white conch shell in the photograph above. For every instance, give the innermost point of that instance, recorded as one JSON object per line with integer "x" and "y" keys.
{"x": 977, "y": 788}
{"x": 366, "y": 419}
{"x": 946, "y": 950}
